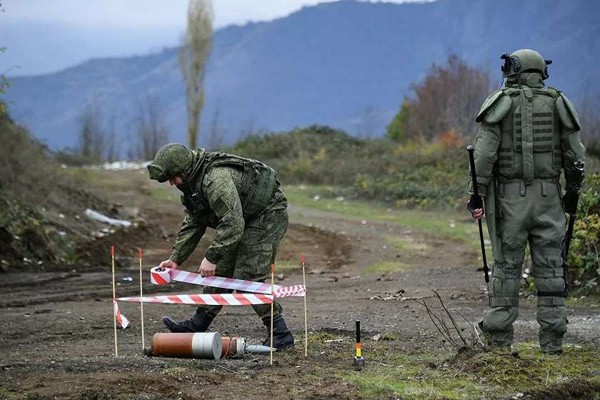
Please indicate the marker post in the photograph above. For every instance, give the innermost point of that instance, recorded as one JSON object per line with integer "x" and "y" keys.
{"x": 359, "y": 361}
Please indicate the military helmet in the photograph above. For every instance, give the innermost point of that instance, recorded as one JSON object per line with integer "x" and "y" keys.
{"x": 171, "y": 160}
{"x": 524, "y": 60}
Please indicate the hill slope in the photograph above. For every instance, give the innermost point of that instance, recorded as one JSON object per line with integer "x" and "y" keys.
{"x": 347, "y": 64}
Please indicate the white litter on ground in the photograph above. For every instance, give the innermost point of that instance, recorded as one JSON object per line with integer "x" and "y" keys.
{"x": 103, "y": 218}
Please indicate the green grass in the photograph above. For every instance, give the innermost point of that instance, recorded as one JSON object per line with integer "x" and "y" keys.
{"x": 450, "y": 224}
{"x": 438, "y": 375}
{"x": 386, "y": 266}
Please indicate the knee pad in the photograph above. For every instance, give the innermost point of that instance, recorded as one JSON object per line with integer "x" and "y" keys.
{"x": 504, "y": 287}
{"x": 549, "y": 282}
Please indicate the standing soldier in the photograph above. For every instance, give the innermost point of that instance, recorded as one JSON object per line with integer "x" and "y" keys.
{"x": 528, "y": 134}
{"x": 242, "y": 200}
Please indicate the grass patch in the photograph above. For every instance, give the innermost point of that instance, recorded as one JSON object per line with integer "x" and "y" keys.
{"x": 8, "y": 394}
{"x": 449, "y": 224}
{"x": 386, "y": 267}
{"x": 287, "y": 266}
{"x": 405, "y": 243}
{"x": 393, "y": 373}
{"x": 164, "y": 193}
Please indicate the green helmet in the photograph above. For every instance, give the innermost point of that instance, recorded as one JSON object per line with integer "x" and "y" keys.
{"x": 524, "y": 60}
{"x": 171, "y": 160}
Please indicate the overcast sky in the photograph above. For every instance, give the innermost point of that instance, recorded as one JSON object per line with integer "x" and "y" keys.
{"x": 42, "y": 36}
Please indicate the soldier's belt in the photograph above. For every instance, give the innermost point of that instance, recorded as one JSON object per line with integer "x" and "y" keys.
{"x": 519, "y": 188}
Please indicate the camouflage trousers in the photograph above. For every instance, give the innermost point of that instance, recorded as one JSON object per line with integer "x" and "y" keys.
{"x": 253, "y": 257}
{"x": 528, "y": 214}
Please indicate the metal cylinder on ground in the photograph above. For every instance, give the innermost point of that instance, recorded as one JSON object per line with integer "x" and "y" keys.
{"x": 206, "y": 345}
{"x": 233, "y": 346}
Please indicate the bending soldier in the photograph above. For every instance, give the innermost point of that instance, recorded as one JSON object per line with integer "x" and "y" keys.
{"x": 528, "y": 134}
{"x": 242, "y": 200}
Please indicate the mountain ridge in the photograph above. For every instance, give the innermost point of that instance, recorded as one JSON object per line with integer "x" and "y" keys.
{"x": 346, "y": 64}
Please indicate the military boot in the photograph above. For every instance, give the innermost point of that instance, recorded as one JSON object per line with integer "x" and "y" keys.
{"x": 282, "y": 337}
{"x": 198, "y": 323}
{"x": 551, "y": 345}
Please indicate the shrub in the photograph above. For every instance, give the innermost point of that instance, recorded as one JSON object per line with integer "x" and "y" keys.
{"x": 584, "y": 254}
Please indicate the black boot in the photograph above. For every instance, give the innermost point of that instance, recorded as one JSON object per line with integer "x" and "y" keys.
{"x": 198, "y": 323}
{"x": 282, "y": 337}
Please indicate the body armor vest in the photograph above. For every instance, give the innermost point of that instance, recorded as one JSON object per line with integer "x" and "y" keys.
{"x": 258, "y": 183}
{"x": 530, "y": 136}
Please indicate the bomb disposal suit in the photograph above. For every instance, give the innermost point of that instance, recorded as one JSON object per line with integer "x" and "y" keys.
{"x": 528, "y": 134}
{"x": 242, "y": 200}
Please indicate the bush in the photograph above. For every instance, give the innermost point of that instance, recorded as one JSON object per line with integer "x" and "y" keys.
{"x": 408, "y": 174}
{"x": 584, "y": 254}
{"x": 317, "y": 154}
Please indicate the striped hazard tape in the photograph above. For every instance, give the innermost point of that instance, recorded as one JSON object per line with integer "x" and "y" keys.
{"x": 260, "y": 292}
{"x": 121, "y": 319}
{"x": 227, "y": 299}
{"x": 163, "y": 276}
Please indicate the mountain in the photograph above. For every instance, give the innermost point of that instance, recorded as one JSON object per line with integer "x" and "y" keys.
{"x": 346, "y": 64}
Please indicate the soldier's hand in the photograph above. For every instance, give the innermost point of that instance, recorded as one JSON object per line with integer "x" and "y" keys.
{"x": 475, "y": 206}
{"x": 168, "y": 264}
{"x": 207, "y": 268}
{"x": 477, "y": 213}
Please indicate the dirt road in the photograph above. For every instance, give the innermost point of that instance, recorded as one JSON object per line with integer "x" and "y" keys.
{"x": 57, "y": 327}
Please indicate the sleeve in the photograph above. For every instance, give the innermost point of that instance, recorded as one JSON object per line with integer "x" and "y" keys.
{"x": 486, "y": 154}
{"x": 573, "y": 159}
{"x": 223, "y": 198}
{"x": 191, "y": 231}
{"x": 570, "y": 140}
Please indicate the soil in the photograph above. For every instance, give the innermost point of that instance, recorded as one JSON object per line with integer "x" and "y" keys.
{"x": 57, "y": 338}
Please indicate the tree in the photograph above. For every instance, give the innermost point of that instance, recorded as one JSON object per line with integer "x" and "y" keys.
{"x": 196, "y": 44}
{"x": 150, "y": 128}
{"x": 447, "y": 100}
{"x": 396, "y": 130}
{"x": 91, "y": 133}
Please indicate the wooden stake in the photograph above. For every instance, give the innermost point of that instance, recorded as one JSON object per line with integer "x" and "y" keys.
{"x": 305, "y": 311}
{"x": 141, "y": 302}
{"x": 272, "y": 307}
{"x": 114, "y": 296}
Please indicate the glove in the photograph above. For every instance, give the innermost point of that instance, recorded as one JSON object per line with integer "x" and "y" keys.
{"x": 570, "y": 200}
{"x": 474, "y": 203}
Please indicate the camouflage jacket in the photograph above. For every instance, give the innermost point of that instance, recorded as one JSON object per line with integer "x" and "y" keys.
{"x": 223, "y": 192}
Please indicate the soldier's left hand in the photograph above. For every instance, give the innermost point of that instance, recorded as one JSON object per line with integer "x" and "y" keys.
{"x": 474, "y": 205}
{"x": 207, "y": 268}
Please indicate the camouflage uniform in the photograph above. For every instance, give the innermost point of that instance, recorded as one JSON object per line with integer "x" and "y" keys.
{"x": 241, "y": 199}
{"x": 528, "y": 134}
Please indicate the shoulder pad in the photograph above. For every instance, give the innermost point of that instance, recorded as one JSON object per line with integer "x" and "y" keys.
{"x": 567, "y": 113}
{"x": 553, "y": 92}
{"x": 494, "y": 108}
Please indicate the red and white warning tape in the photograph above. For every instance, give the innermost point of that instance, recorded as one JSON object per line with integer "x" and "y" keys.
{"x": 226, "y": 299}
{"x": 261, "y": 293}
{"x": 121, "y": 319}
{"x": 162, "y": 276}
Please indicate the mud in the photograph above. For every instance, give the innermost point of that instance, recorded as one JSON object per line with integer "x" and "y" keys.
{"x": 57, "y": 338}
